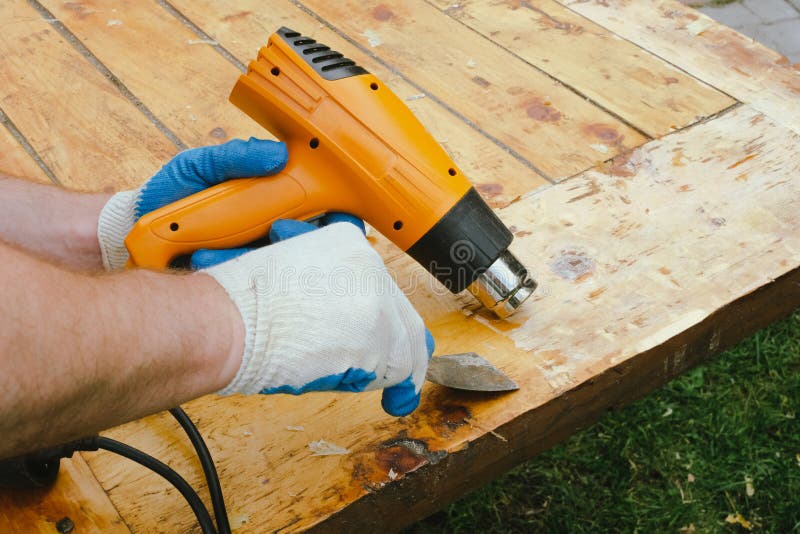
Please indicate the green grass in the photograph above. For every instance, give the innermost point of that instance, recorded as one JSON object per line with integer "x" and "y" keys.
{"x": 681, "y": 458}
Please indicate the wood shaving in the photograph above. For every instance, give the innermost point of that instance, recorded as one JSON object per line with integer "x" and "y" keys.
{"x": 295, "y": 428}
{"x": 737, "y": 518}
{"x": 392, "y": 474}
{"x": 114, "y": 22}
{"x": 326, "y": 448}
{"x": 749, "y": 488}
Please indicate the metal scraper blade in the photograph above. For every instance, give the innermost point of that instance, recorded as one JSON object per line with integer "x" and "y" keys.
{"x": 468, "y": 371}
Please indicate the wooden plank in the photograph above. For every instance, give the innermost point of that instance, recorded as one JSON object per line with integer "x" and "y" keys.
{"x": 164, "y": 76}
{"x": 645, "y": 265}
{"x": 639, "y": 87}
{"x": 712, "y": 52}
{"x": 181, "y": 79}
{"x": 555, "y": 129}
{"x": 76, "y": 495}
{"x": 14, "y": 161}
{"x": 90, "y": 135}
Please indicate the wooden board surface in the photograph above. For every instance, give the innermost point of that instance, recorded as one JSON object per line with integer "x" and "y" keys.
{"x": 630, "y": 82}
{"x": 737, "y": 65}
{"x": 88, "y": 133}
{"x": 647, "y": 263}
{"x": 504, "y": 96}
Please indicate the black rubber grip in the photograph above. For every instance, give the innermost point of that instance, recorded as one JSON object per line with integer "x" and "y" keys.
{"x": 463, "y": 244}
{"x": 328, "y": 63}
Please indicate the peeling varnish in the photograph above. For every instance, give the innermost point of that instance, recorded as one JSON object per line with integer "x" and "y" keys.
{"x": 373, "y": 38}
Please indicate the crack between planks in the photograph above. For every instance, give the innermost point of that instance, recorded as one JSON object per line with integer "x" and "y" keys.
{"x": 510, "y": 151}
{"x": 538, "y": 69}
{"x": 213, "y": 43}
{"x": 87, "y": 54}
{"x": 28, "y": 147}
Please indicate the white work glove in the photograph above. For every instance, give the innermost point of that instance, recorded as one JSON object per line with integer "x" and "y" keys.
{"x": 322, "y": 313}
{"x": 189, "y": 172}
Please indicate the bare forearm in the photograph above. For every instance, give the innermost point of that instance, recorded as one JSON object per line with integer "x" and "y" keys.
{"x": 59, "y": 225}
{"x": 81, "y": 353}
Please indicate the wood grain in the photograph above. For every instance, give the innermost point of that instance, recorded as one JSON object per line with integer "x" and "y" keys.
{"x": 706, "y": 49}
{"x": 76, "y": 495}
{"x": 534, "y": 115}
{"x": 90, "y": 135}
{"x": 242, "y": 27}
{"x": 181, "y": 79}
{"x": 645, "y": 265}
{"x": 632, "y": 83}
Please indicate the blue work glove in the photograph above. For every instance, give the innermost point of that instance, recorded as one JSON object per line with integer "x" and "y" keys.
{"x": 353, "y": 371}
{"x": 189, "y": 172}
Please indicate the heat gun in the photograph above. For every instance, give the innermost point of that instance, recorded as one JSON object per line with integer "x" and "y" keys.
{"x": 354, "y": 147}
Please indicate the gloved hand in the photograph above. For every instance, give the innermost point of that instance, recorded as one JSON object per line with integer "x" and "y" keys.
{"x": 187, "y": 173}
{"x": 322, "y": 313}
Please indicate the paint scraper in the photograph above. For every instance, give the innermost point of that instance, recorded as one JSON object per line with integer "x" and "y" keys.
{"x": 468, "y": 371}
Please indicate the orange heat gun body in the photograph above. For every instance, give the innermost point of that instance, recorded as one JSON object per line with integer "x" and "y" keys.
{"x": 354, "y": 147}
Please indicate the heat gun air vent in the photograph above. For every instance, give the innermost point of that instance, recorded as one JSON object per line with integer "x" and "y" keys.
{"x": 328, "y": 63}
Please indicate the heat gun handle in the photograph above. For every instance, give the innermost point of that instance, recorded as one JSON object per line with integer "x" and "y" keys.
{"x": 227, "y": 215}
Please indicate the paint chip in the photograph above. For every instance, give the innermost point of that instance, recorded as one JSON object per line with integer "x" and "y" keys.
{"x": 471, "y": 63}
{"x": 415, "y": 97}
{"x": 239, "y": 519}
{"x": 326, "y": 448}
{"x": 295, "y": 428}
{"x": 201, "y": 41}
{"x": 603, "y": 149}
{"x": 247, "y": 433}
{"x": 113, "y": 22}
{"x": 392, "y": 474}
{"x": 372, "y": 38}
{"x": 699, "y": 26}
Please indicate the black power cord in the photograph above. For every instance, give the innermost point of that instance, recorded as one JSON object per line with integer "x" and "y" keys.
{"x": 212, "y": 479}
{"x": 40, "y": 468}
{"x": 199, "y": 509}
